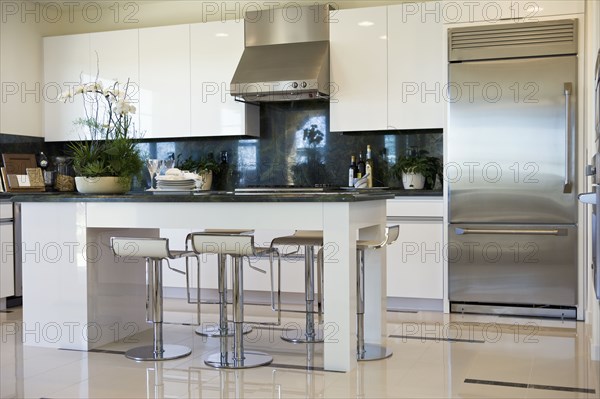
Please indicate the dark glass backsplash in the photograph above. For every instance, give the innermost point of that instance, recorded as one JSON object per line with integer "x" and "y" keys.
{"x": 295, "y": 147}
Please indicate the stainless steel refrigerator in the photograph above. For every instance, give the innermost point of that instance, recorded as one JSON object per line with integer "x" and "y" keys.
{"x": 511, "y": 169}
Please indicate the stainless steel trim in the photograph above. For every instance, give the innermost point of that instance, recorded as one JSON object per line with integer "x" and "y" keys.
{"x": 286, "y": 25}
{"x": 568, "y": 188}
{"x": 549, "y": 232}
{"x": 513, "y": 40}
{"x": 568, "y": 313}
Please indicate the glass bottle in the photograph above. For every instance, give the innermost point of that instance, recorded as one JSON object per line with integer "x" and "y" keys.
{"x": 362, "y": 167}
{"x": 352, "y": 171}
{"x": 369, "y": 167}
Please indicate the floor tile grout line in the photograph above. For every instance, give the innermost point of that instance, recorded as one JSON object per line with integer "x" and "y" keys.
{"x": 470, "y": 341}
{"x": 529, "y": 386}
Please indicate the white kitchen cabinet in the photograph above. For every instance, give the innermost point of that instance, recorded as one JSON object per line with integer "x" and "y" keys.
{"x": 358, "y": 39}
{"x": 416, "y": 69}
{"x": 66, "y": 65}
{"x": 415, "y": 261}
{"x": 114, "y": 57}
{"x": 387, "y": 68}
{"x": 164, "y": 67}
{"x": 216, "y": 48}
{"x": 493, "y": 11}
{"x": 7, "y": 261}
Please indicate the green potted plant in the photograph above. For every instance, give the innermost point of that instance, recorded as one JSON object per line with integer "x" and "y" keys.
{"x": 107, "y": 162}
{"x": 205, "y": 167}
{"x": 416, "y": 169}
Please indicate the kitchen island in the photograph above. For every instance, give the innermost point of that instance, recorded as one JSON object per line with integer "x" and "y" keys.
{"x": 77, "y": 295}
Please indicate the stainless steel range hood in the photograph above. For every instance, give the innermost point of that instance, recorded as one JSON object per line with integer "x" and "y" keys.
{"x": 286, "y": 56}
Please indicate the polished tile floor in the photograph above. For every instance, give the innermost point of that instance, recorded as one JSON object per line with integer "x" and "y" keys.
{"x": 435, "y": 356}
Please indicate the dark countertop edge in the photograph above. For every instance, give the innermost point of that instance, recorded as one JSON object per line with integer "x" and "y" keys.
{"x": 212, "y": 197}
{"x": 73, "y": 196}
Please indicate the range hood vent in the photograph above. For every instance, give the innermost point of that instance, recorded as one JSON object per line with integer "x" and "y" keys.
{"x": 284, "y": 59}
{"x": 513, "y": 40}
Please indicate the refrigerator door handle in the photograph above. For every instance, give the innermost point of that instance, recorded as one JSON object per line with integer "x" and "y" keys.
{"x": 568, "y": 188}
{"x": 544, "y": 232}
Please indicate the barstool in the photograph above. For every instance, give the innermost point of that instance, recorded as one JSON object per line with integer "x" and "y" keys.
{"x": 368, "y": 351}
{"x": 309, "y": 239}
{"x": 154, "y": 250}
{"x": 237, "y": 246}
{"x": 224, "y": 328}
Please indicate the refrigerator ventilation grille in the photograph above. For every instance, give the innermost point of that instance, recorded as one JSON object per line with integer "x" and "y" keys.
{"x": 513, "y": 40}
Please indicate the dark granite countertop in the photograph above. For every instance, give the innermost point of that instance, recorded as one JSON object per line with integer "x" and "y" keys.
{"x": 209, "y": 196}
{"x": 333, "y": 196}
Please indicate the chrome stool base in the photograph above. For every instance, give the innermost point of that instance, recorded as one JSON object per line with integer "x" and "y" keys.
{"x": 213, "y": 330}
{"x": 250, "y": 360}
{"x": 374, "y": 352}
{"x": 301, "y": 337}
{"x": 142, "y": 353}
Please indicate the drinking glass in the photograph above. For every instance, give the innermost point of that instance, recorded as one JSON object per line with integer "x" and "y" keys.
{"x": 153, "y": 166}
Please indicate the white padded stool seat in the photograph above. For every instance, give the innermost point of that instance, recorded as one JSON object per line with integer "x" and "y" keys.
{"x": 154, "y": 250}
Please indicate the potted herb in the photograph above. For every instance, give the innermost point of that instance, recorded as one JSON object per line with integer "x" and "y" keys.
{"x": 107, "y": 162}
{"x": 416, "y": 169}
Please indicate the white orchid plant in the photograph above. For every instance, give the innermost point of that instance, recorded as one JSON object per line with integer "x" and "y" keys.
{"x": 108, "y": 110}
{"x": 112, "y": 150}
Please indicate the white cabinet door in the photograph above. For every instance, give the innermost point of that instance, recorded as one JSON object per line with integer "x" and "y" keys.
{"x": 66, "y": 65}
{"x": 415, "y": 68}
{"x": 114, "y": 57}
{"x": 165, "y": 81}
{"x": 501, "y": 11}
{"x": 216, "y": 48}
{"x": 7, "y": 258}
{"x": 359, "y": 69}
{"x": 415, "y": 261}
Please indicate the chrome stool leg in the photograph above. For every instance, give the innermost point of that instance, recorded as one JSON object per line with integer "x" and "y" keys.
{"x": 157, "y": 351}
{"x": 309, "y": 334}
{"x": 238, "y": 359}
{"x": 364, "y": 351}
{"x": 224, "y": 329}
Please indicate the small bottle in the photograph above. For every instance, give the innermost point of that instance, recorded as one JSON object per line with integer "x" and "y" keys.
{"x": 369, "y": 168}
{"x": 352, "y": 171}
{"x": 362, "y": 167}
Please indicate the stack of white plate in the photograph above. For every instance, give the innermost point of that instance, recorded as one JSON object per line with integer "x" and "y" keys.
{"x": 169, "y": 183}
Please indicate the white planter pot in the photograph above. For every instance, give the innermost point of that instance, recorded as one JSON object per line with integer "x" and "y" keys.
{"x": 206, "y": 177}
{"x": 413, "y": 181}
{"x": 102, "y": 185}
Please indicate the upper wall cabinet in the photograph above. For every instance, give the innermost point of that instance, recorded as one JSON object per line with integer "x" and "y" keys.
{"x": 66, "y": 64}
{"x": 492, "y": 11}
{"x": 165, "y": 81}
{"x": 359, "y": 69}
{"x": 216, "y": 48}
{"x": 387, "y": 69}
{"x": 415, "y": 68}
{"x": 111, "y": 63}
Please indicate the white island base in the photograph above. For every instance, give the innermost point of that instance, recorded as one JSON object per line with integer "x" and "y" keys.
{"x": 77, "y": 295}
